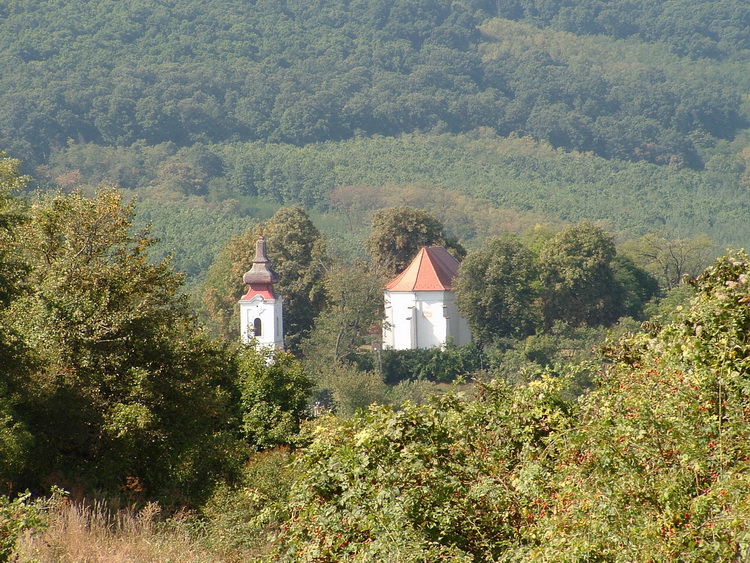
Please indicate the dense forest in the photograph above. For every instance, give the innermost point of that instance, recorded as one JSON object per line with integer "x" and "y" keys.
{"x": 587, "y": 160}
{"x": 287, "y": 101}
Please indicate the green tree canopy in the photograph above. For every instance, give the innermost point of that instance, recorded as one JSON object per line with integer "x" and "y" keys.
{"x": 668, "y": 259}
{"x": 398, "y": 233}
{"x": 128, "y": 393}
{"x": 497, "y": 289}
{"x": 16, "y": 362}
{"x": 297, "y": 252}
{"x": 223, "y": 286}
{"x": 578, "y": 282}
{"x": 274, "y": 391}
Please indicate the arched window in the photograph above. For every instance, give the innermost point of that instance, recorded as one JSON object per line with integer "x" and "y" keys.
{"x": 257, "y": 327}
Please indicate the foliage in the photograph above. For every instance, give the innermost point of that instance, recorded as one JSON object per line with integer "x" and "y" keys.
{"x": 347, "y": 389}
{"x": 509, "y": 173}
{"x": 354, "y": 301}
{"x": 398, "y": 233}
{"x": 25, "y": 515}
{"x": 241, "y": 519}
{"x": 297, "y": 252}
{"x": 11, "y": 215}
{"x": 667, "y": 477}
{"x": 638, "y": 286}
{"x": 497, "y": 288}
{"x": 17, "y": 516}
{"x": 117, "y": 74}
{"x": 503, "y": 184}
{"x": 554, "y": 350}
{"x": 670, "y": 260}
{"x": 526, "y": 472}
{"x": 444, "y": 480}
{"x": 223, "y": 286}
{"x": 14, "y": 357}
{"x": 432, "y": 364}
{"x": 696, "y": 29}
{"x": 577, "y": 277}
{"x": 469, "y": 219}
{"x": 127, "y": 393}
{"x": 274, "y": 392}
{"x": 190, "y": 231}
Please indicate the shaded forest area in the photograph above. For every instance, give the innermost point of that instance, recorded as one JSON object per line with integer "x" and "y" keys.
{"x": 298, "y": 72}
{"x": 548, "y": 113}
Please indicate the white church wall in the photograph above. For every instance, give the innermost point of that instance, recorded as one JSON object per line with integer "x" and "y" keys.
{"x": 269, "y": 313}
{"x": 422, "y": 319}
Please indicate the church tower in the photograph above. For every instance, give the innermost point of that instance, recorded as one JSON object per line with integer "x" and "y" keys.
{"x": 261, "y": 315}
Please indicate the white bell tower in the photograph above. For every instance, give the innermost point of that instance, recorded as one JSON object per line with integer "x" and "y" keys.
{"x": 261, "y": 314}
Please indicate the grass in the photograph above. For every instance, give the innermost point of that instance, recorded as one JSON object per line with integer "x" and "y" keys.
{"x": 80, "y": 533}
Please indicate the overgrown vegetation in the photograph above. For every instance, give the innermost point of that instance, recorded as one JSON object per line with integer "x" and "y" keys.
{"x": 588, "y": 160}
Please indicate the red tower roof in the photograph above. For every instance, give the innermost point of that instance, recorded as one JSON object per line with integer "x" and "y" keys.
{"x": 261, "y": 276}
{"x": 433, "y": 269}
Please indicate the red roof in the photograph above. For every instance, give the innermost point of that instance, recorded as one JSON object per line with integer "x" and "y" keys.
{"x": 433, "y": 269}
{"x": 264, "y": 290}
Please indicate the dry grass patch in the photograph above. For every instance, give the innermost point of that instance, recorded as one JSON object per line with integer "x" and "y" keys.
{"x": 91, "y": 534}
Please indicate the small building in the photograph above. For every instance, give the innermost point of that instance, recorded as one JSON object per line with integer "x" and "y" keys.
{"x": 261, "y": 310}
{"x": 420, "y": 305}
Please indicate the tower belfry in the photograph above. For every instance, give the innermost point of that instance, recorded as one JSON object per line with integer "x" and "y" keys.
{"x": 261, "y": 314}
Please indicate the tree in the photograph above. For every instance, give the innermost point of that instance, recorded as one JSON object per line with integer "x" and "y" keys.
{"x": 354, "y": 302}
{"x": 450, "y": 480}
{"x": 16, "y": 362}
{"x": 297, "y": 252}
{"x": 223, "y": 286}
{"x": 669, "y": 259}
{"x": 128, "y": 393}
{"x": 12, "y": 214}
{"x": 398, "y": 233}
{"x": 578, "y": 282}
{"x": 274, "y": 391}
{"x": 657, "y": 463}
{"x": 497, "y": 288}
{"x": 637, "y": 286}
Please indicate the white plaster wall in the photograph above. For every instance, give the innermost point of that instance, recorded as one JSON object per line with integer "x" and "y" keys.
{"x": 399, "y": 319}
{"x": 431, "y": 328}
{"x": 272, "y": 322}
{"x": 422, "y": 319}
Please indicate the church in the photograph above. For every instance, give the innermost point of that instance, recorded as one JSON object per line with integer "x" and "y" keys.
{"x": 420, "y": 305}
{"x": 261, "y": 309}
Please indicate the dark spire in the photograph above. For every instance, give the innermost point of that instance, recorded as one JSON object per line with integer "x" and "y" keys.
{"x": 261, "y": 272}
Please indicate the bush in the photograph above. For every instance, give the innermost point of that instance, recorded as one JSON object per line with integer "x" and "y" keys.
{"x": 433, "y": 364}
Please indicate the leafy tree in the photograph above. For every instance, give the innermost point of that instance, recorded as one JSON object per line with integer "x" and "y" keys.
{"x": 669, "y": 259}
{"x": 497, "y": 289}
{"x": 578, "y": 282}
{"x": 398, "y": 233}
{"x": 274, "y": 392}
{"x": 16, "y": 362}
{"x": 637, "y": 286}
{"x": 354, "y": 302}
{"x": 657, "y": 465}
{"x": 297, "y": 251}
{"x": 128, "y": 393}
{"x": 442, "y": 365}
{"x": 223, "y": 286}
